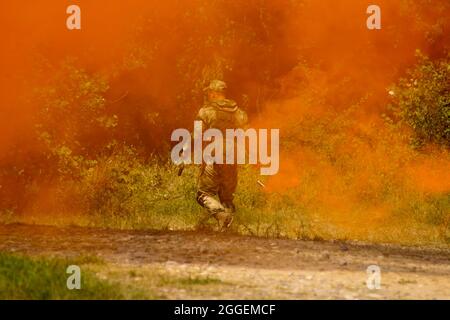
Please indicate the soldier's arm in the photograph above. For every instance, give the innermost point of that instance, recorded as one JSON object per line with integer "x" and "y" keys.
{"x": 201, "y": 116}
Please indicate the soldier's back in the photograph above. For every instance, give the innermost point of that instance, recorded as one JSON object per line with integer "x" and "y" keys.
{"x": 222, "y": 114}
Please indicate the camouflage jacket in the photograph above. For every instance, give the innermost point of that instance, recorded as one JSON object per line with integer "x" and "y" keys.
{"x": 222, "y": 114}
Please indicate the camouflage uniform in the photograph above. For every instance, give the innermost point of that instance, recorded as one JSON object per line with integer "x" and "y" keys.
{"x": 219, "y": 179}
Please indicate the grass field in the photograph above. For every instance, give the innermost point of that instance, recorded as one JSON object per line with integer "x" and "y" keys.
{"x": 44, "y": 278}
{"x": 23, "y": 277}
{"x": 153, "y": 197}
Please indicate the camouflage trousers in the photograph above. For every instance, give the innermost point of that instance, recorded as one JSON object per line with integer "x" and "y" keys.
{"x": 217, "y": 180}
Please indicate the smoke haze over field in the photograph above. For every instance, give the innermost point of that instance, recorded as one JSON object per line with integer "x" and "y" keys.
{"x": 309, "y": 67}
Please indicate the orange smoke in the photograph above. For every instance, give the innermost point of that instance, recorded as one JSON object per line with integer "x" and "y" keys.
{"x": 348, "y": 68}
{"x": 431, "y": 174}
{"x": 308, "y": 67}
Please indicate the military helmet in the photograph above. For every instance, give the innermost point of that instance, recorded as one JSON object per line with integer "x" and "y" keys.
{"x": 216, "y": 85}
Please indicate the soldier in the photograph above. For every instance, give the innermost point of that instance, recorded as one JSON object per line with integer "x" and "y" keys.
{"x": 219, "y": 179}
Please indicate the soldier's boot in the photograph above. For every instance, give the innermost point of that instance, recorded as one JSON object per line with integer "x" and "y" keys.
{"x": 224, "y": 220}
{"x": 230, "y": 209}
{"x": 216, "y": 209}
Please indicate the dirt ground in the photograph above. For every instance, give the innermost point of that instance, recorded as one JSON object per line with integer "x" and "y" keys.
{"x": 237, "y": 267}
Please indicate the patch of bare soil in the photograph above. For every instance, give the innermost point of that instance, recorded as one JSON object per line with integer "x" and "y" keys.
{"x": 249, "y": 268}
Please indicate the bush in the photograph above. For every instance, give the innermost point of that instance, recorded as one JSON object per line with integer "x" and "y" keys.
{"x": 422, "y": 102}
{"x": 124, "y": 190}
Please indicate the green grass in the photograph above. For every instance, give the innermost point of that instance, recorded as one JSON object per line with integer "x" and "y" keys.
{"x": 161, "y": 282}
{"x": 45, "y": 279}
{"x": 154, "y": 197}
{"x": 192, "y": 280}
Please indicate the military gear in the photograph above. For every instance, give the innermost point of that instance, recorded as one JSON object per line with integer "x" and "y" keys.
{"x": 222, "y": 114}
{"x": 219, "y": 179}
{"x": 224, "y": 220}
{"x": 216, "y": 85}
{"x": 223, "y": 216}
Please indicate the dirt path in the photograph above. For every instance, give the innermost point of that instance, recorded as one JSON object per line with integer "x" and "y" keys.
{"x": 246, "y": 267}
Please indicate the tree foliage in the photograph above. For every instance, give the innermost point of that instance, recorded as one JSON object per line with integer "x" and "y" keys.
{"x": 422, "y": 101}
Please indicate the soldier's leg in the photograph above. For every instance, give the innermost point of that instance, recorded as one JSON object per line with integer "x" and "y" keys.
{"x": 228, "y": 187}
{"x": 209, "y": 184}
{"x": 208, "y": 187}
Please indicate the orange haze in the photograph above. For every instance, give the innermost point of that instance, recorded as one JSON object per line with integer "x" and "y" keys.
{"x": 295, "y": 61}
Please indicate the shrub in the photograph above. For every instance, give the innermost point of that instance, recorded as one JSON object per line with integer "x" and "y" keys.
{"x": 422, "y": 101}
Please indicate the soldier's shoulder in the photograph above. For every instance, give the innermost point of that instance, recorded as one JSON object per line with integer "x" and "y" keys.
{"x": 230, "y": 103}
{"x": 205, "y": 112}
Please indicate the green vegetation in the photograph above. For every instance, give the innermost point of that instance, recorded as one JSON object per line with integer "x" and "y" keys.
{"x": 422, "y": 101}
{"x": 154, "y": 197}
{"x": 161, "y": 282}
{"x": 192, "y": 280}
{"x": 97, "y": 153}
{"x": 45, "y": 278}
